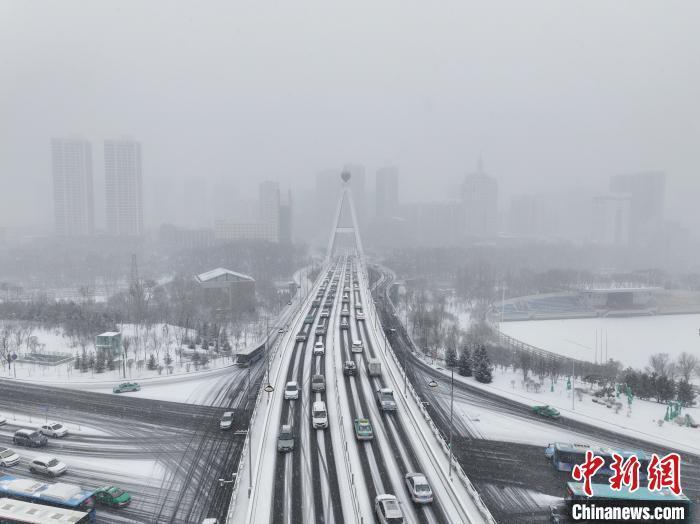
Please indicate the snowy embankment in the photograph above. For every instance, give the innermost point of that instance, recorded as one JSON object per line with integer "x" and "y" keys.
{"x": 642, "y": 422}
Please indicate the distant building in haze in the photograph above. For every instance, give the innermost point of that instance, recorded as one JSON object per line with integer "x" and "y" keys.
{"x": 269, "y": 200}
{"x": 611, "y": 219}
{"x": 480, "y": 200}
{"x": 387, "y": 192}
{"x": 73, "y": 198}
{"x": 434, "y": 223}
{"x": 286, "y": 229}
{"x": 123, "y": 187}
{"x": 647, "y": 192}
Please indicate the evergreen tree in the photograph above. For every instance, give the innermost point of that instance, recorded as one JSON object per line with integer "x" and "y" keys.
{"x": 686, "y": 395}
{"x": 152, "y": 362}
{"x": 204, "y": 360}
{"x": 482, "y": 366}
{"x": 665, "y": 388}
{"x": 450, "y": 358}
{"x": 110, "y": 363}
{"x": 464, "y": 364}
{"x": 76, "y": 361}
{"x": 100, "y": 362}
{"x": 168, "y": 359}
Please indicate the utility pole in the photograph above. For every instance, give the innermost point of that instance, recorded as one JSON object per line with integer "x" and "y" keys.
{"x": 573, "y": 382}
{"x": 452, "y": 400}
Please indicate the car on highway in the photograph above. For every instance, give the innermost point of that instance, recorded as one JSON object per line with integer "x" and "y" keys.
{"x": 546, "y": 411}
{"x": 388, "y": 509}
{"x": 226, "y": 421}
{"x": 363, "y": 429}
{"x": 319, "y": 415}
{"x": 418, "y": 488}
{"x": 112, "y": 496}
{"x": 309, "y": 319}
{"x": 345, "y": 312}
{"x": 285, "y": 439}
{"x": 301, "y": 337}
{"x": 358, "y": 305}
{"x": 29, "y": 438}
{"x": 325, "y": 313}
{"x": 349, "y": 368}
{"x": 356, "y": 346}
{"x": 318, "y": 383}
{"x": 319, "y": 348}
{"x": 8, "y": 457}
{"x": 344, "y": 324}
{"x": 385, "y": 399}
{"x": 320, "y": 330}
{"x": 53, "y": 429}
{"x": 125, "y": 387}
{"x": 359, "y": 315}
{"x": 281, "y": 330}
{"x": 549, "y": 451}
{"x": 291, "y": 391}
{"x": 46, "y": 465}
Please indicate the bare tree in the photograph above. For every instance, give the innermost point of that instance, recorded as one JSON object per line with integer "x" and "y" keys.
{"x": 687, "y": 365}
{"x": 660, "y": 363}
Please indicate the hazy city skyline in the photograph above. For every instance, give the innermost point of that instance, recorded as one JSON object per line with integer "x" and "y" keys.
{"x": 426, "y": 90}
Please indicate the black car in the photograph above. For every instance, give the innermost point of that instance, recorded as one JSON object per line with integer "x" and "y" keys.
{"x": 29, "y": 438}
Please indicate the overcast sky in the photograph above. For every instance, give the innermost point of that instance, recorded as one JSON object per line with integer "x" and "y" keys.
{"x": 558, "y": 93}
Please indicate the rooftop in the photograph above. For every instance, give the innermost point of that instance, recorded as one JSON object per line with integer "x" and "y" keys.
{"x": 221, "y": 273}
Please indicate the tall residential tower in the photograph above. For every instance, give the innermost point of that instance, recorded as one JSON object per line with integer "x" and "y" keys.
{"x": 123, "y": 187}
{"x": 74, "y": 207}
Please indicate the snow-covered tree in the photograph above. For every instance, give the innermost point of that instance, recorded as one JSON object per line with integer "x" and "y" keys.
{"x": 450, "y": 357}
{"x": 464, "y": 364}
{"x": 685, "y": 393}
{"x": 483, "y": 370}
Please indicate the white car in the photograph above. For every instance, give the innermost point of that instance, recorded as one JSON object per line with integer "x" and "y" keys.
{"x": 291, "y": 391}
{"x": 54, "y": 429}
{"x": 319, "y": 415}
{"x": 47, "y": 465}
{"x": 418, "y": 487}
{"x": 319, "y": 348}
{"x": 388, "y": 510}
{"x": 226, "y": 421}
{"x": 8, "y": 457}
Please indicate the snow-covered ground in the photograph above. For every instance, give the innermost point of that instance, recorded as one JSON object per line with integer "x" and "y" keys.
{"x": 642, "y": 423}
{"x": 630, "y": 340}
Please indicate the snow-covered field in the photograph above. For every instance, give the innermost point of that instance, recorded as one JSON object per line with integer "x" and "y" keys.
{"x": 643, "y": 421}
{"x": 630, "y": 340}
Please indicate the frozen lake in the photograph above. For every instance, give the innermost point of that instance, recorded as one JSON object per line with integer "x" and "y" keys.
{"x": 630, "y": 340}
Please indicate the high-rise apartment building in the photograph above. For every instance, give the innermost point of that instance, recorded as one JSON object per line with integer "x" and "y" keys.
{"x": 647, "y": 192}
{"x": 387, "y": 192}
{"x": 480, "y": 199}
{"x": 123, "y": 187}
{"x": 73, "y": 198}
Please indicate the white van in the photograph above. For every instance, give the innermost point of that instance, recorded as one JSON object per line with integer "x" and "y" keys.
{"x": 356, "y": 346}
{"x": 319, "y": 415}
